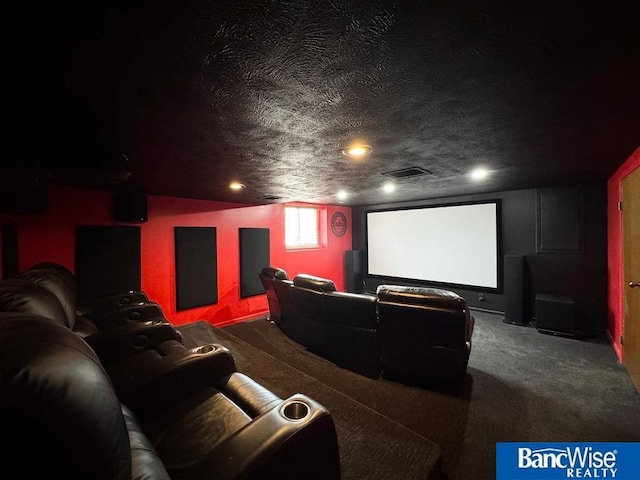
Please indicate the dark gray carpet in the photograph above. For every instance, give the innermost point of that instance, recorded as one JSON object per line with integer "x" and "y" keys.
{"x": 522, "y": 385}
{"x": 371, "y": 445}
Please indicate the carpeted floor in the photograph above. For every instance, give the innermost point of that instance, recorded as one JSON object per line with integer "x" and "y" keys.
{"x": 521, "y": 386}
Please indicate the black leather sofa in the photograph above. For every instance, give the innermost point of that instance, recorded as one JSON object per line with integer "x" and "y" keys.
{"x": 187, "y": 414}
{"x": 414, "y": 335}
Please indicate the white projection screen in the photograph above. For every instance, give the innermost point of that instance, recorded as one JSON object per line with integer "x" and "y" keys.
{"x": 445, "y": 244}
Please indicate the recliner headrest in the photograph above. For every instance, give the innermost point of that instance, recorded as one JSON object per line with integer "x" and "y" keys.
{"x": 311, "y": 282}
{"x": 422, "y": 296}
{"x": 25, "y": 297}
{"x": 59, "y": 281}
{"x": 275, "y": 272}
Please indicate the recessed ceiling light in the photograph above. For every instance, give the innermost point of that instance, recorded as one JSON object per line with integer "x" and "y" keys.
{"x": 388, "y": 187}
{"x": 236, "y": 186}
{"x": 342, "y": 195}
{"x": 356, "y": 151}
{"x": 479, "y": 173}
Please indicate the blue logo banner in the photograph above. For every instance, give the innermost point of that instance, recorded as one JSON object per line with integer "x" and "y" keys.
{"x": 560, "y": 461}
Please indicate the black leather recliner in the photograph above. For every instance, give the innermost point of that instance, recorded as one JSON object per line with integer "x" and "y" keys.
{"x": 59, "y": 410}
{"x": 98, "y": 305}
{"x": 64, "y": 419}
{"x": 104, "y": 313}
{"x": 115, "y": 332}
{"x": 283, "y": 309}
{"x": 150, "y": 359}
{"x": 425, "y": 335}
{"x": 148, "y": 379}
{"x": 353, "y": 341}
{"x": 267, "y": 276}
{"x": 288, "y": 307}
{"x": 313, "y": 319}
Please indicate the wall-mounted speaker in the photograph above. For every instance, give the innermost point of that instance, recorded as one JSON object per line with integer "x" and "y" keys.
{"x": 20, "y": 198}
{"x": 129, "y": 207}
{"x": 514, "y": 290}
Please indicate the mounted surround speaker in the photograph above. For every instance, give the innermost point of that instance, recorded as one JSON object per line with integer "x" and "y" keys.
{"x": 130, "y": 207}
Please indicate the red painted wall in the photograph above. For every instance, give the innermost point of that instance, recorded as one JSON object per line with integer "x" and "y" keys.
{"x": 615, "y": 253}
{"x": 51, "y": 237}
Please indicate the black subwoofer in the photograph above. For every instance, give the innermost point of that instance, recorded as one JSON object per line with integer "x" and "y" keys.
{"x": 555, "y": 314}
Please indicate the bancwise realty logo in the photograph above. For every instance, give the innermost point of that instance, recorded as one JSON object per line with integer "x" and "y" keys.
{"x": 555, "y": 461}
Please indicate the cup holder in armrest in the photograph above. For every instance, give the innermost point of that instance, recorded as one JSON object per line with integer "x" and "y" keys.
{"x": 295, "y": 410}
{"x": 204, "y": 349}
{"x": 155, "y": 322}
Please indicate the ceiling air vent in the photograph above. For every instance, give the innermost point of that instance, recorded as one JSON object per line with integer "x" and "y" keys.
{"x": 407, "y": 172}
{"x": 271, "y": 197}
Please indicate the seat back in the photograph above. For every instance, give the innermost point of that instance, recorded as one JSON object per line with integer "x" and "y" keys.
{"x": 57, "y": 406}
{"x": 268, "y": 277}
{"x": 353, "y": 338}
{"x": 308, "y": 293}
{"x": 288, "y": 309}
{"x": 424, "y": 333}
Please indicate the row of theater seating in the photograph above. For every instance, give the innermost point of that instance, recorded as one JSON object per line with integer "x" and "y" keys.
{"x": 108, "y": 390}
{"x": 413, "y": 335}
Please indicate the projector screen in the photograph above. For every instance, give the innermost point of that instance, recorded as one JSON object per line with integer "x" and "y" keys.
{"x": 444, "y": 244}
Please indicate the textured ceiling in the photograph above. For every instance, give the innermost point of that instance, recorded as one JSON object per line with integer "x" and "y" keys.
{"x": 198, "y": 93}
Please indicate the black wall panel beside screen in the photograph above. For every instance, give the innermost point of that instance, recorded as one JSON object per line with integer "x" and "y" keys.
{"x": 254, "y": 256}
{"x": 107, "y": 260}
{"x": 559, "y": 220}
{"x": 196, "y": 267}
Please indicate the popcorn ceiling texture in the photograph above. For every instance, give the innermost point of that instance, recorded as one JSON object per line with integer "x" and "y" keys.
{"x": 267, "y": 92}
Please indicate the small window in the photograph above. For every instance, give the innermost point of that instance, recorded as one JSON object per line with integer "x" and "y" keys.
{"x": 302, "y": 227}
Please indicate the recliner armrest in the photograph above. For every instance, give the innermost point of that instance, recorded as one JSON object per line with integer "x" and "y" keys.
{"x": 297, "y": 435}
{"x": 122, "y": 342}
{"x": 139, "y": 312}
{"x": 149, "y": 383}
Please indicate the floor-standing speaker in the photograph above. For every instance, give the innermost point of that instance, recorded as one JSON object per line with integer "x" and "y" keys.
{"x": 354, "y": 274}
{"x": 514, "y": 290}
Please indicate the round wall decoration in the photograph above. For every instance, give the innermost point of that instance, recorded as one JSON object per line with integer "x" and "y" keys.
{"x": 338, "y": 224}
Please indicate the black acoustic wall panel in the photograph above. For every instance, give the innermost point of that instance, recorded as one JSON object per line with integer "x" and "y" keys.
{"x": 254, "y": 256}
{"x": 514, "y": 290}
{"x": 9, "y": 245}
{"x": 353, "y": 270}
{"x": 196, "y": 267}
{"x": 559, "y": 223}
{"x": 107, "y": 259}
